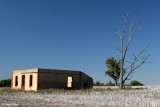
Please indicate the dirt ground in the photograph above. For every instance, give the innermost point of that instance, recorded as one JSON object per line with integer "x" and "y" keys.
{"x": 81, "y": 98}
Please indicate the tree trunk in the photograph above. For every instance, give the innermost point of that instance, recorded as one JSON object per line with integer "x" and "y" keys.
{"x": 121, "y": 81}
{"x": 121, "y": 75}
{"x": 122, "y": 62}
{"x": 116, "y": 83}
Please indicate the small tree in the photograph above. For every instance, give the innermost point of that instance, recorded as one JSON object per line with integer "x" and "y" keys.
{"x": 114, "y": 69}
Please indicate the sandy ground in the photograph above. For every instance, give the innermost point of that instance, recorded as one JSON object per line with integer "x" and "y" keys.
{"x": 134, "y": 98}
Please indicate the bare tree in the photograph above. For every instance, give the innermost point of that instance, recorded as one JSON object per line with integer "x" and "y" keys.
{"x": 137, "y": 61}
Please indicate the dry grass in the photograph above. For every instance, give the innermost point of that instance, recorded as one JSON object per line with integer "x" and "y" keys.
{"x": 51, "y": 90}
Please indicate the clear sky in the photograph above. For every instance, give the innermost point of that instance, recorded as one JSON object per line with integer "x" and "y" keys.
{"x": 75, "y": 35}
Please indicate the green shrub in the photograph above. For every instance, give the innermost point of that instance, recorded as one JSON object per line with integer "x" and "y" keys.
{"x": 136, "y": 83}
{"x": 98, "y": 83}
{"x": 110, "y": 84}
{"x": 5, "y": 83}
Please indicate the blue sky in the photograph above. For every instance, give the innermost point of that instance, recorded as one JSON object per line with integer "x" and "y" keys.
{"x": 75, "y": 35}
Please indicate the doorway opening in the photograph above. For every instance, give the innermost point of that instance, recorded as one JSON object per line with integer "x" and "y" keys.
{"x": 23, "y": 81}
{"x": 86, "y": 85}
{"x": 69, "y": 82}
{"x": 16, "y": 81}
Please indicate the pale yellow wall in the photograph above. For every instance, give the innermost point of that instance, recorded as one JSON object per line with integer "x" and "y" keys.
{"x": 19, "y": 81}
{"x": 27, "y": 74}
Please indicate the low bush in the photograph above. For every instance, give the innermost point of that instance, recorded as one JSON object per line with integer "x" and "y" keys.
{"x": 110, "y": 84}
{"x": 136, "y": 83}
{"x": 5, "y": 83}
{"x": 98, "y": 83}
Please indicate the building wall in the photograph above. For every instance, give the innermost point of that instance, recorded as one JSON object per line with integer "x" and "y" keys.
{"x": 47, "y": 78}
{"x": 57, "y": 79}
{"x": 27, "y": 74}
{"x": 86, "y": 81}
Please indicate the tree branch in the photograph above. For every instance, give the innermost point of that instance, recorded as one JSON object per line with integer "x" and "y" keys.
{"x": 124, "y": 29}
{"x": 136, "y": 57}
{"x": 131, "y": 35}
{"x": 133, "y": 69}
{"x": 118, "y": 49}
{"x": 119, "y": 34}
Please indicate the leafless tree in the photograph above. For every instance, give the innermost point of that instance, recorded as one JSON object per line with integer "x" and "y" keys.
{"x": 137, "y": 61}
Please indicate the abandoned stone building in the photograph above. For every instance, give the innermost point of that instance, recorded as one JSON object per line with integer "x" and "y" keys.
{"x": 34, "y": 79}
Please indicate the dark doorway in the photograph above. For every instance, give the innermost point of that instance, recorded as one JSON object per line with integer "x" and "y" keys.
{"x": 23, "y": 81}
{"x": 16, "y": 81}
{"x": 30, "y": 81}
{"x": 86, "y": 85}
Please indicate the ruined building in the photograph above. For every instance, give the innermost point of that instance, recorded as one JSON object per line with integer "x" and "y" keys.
{"x": 34, "y": 79}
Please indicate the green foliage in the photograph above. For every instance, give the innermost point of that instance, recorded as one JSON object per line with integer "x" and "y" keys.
{"x": 113, "y": 69}
{"x": 5, "y": 83}
{"x": 110, "y": 84}
{"x": 98, "y": 83}
{"x": 136, "y": 83}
